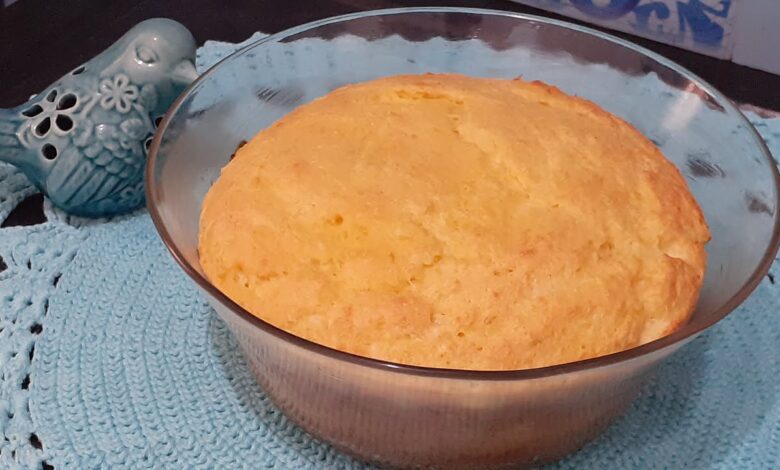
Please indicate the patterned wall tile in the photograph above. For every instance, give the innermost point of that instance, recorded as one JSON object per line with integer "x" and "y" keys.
{"x": 702, "y": 25}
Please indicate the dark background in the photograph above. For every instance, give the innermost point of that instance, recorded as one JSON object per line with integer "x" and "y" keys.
{"x": 42, "y": 39}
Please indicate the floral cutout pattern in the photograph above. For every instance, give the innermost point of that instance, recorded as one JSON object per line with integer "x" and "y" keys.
{"x": 118, "y": 93}
{"x": 148, "y": 142}
{"x": 51, "y": 115}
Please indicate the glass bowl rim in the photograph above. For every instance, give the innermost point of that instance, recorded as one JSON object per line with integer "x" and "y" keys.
{"x": 680, "y": 336}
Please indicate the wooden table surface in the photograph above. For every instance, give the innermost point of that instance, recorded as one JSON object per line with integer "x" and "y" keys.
{"x": 42, "y": 39}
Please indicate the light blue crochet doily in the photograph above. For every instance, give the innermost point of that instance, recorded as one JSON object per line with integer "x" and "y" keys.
{"x": 108, "y": 358}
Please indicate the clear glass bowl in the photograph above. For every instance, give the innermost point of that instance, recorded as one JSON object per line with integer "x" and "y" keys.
{"x": 408, "y": 416}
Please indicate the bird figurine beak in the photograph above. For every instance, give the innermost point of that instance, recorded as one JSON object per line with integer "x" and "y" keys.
{"x": 184, "y": 72}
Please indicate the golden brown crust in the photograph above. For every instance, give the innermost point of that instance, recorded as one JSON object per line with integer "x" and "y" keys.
{"x": 449, "y": 221}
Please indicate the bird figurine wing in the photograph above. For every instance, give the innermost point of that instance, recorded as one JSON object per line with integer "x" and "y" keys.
{"x": 113, "y": 157}
{"x": 11, "y": 149}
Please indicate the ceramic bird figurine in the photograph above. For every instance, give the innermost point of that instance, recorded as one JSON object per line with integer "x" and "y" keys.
{"x": 83, "y": 140}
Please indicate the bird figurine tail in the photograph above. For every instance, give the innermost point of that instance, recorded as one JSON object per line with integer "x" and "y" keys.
{"x": 12, "y": 149}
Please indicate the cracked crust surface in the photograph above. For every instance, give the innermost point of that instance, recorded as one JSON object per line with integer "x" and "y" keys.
{"x": 456, "y": 222}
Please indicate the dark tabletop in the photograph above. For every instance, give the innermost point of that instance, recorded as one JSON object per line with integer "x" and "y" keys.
{"x": 42, "y": 39}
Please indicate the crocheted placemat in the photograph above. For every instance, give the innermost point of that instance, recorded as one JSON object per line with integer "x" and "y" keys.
{"x": 109, "y": 358}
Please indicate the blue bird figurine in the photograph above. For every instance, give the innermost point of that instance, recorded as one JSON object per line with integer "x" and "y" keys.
{"x": 83, "y": 140}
